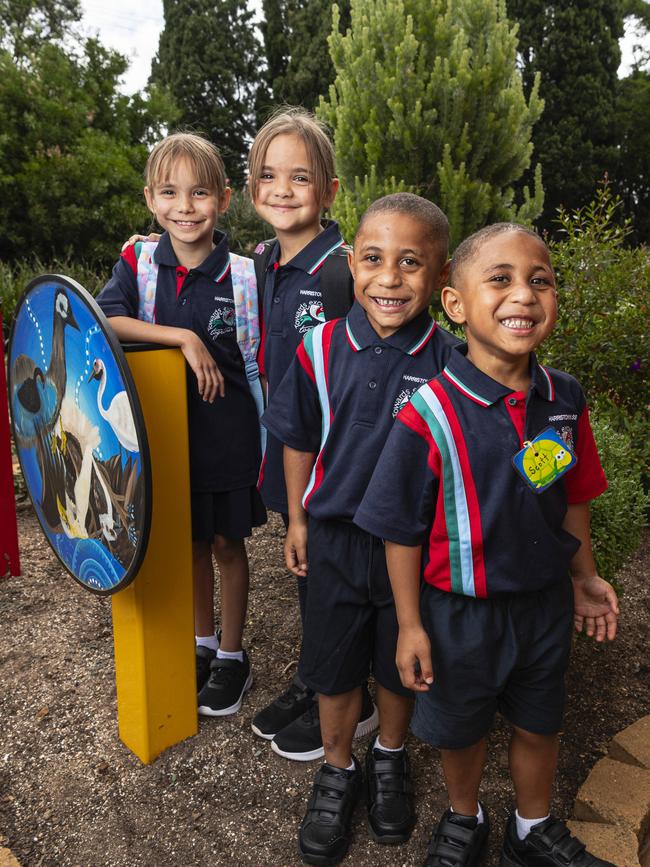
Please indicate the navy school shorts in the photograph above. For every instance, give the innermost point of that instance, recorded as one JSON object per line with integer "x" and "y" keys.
{"x": 507, "y": 653}
{"x": 350, "y": 626}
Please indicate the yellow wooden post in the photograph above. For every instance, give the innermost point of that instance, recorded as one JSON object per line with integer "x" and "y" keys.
{"x": 153, "y": 619}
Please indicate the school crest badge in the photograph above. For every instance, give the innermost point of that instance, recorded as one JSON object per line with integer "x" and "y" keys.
{"x": 221, "y": 322}
{"x": 308, "y": 315}
{"x": 402, "y": 399}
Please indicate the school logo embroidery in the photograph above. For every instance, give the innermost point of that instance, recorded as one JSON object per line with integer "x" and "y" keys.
{"x": 308, "y": 315}
{"x": 402, "y": 399}
{"x": 221, "y": 322}
{"x": 567, "y": 435}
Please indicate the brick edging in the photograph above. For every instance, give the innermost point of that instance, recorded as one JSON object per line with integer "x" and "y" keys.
{"x": 612, "y": 808}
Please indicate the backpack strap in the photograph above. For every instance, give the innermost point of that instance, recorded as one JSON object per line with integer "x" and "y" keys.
{"x": 147, "y": 278}
{"x": 261, "y": 256}
{"x": 337, "y": 285}
{"x": 243, "y": 273}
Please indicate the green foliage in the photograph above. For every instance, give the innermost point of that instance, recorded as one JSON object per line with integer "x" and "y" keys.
{"x": 242, "y": 225}
{"x": 26, "y": 26}
{"x": 574, "y": 48}
{"x": 618, "y": 515}
{"x": 631, "y": 176}
{"x": 209, "y": 58}
{"x": 15, "y": 276}
{"x": 428, "y": 93}
{"x": 602, "y": 334}
{"x": 299, "y": 66}
{"x": 71, "y": 156}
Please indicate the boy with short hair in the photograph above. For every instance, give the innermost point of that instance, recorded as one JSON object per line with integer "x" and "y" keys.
{"x": 333, "y": 411}
{"x": 489, "y": 470}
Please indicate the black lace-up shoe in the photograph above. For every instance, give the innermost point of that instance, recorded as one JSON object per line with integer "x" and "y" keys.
{"x": 325, "y": 831}
{"x": 301, "y": 740}
{"x": 391, "y": 814}
{"x": 223, "y": 693}
{"x": 457, "y": 841}
{"x": 204, "y": 657}
{"x": 286, "y": 708}
{"x": 549, "y": 844}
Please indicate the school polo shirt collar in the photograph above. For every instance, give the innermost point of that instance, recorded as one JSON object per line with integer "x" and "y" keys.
{"x": 410, "y": 339}
{"x": 311, "y": 257}
{"x": 216, "y": 265}
{"x": 481, "y": 388}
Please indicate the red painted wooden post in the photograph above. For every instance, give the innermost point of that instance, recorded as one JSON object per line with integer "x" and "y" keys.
{"x": 9, "y": 559}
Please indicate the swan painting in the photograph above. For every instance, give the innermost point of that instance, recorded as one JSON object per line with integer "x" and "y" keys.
{"x": 119, "y": 414}
{"x": 79, "y": 435}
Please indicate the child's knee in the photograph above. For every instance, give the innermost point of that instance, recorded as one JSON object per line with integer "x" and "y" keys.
{"x": 228, "y": 551}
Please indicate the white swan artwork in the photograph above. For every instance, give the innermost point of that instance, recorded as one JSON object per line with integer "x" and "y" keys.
{"x": 118, "y": 414}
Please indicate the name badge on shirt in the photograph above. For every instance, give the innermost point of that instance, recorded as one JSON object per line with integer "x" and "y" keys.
{"x": 543, "y": 460}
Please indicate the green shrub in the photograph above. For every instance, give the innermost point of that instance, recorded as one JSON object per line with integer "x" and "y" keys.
{"x": 242, "y": 225}
{"x": 602, "y": 336}
{"x": 14, "y": 277}
{"x": 618, "y": 516}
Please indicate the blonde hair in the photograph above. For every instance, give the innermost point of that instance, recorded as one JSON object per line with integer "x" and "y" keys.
{"x": 299, "y": 122}
{"x": 202, "y": 154}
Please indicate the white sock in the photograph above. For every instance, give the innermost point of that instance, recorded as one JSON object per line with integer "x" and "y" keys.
{"x": 230, "y": 654}
{"x": 480, "y": 815}
{"x": 524, "y": 825}
{"x": 210, "y": 641}
{"x": 379, "y": 746}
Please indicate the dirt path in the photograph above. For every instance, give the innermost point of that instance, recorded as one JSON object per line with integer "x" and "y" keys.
{"x": 72, "y": 794}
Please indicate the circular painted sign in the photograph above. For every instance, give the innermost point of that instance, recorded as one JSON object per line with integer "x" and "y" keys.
{"x": 79, "y": 434}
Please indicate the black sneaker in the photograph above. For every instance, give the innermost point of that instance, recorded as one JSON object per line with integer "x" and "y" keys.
{"x": 457, "y": 841}
{"x": 283, "y": 710}
{"x": 204, "y": 656}
{"x": 301, "y": 740}
{"x": 229, "y": 680}
{"x": 325, "y": 831}
{"x": 389, "y": 795}
{"x": 549, "y": 844}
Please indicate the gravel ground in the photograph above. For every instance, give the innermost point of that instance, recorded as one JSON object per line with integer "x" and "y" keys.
{"x": 72, "y": 794}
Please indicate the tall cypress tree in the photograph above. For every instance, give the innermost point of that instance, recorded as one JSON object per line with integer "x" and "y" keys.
{"x": 574, "y": 47}
{"x": 209, "y": 59}
{"x": 310, "y": 70}
{"x": 427, "y": 96}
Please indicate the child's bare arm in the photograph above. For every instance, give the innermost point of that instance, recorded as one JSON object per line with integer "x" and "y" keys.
{"x": 297, "y": 470}
{"x": 209, "y": 377}
{"x": 413, "y": 656}
{"x": 595, "y": 603}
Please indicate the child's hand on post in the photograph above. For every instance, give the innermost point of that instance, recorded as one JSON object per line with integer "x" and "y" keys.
{"x": 295, "y": 548}
{"x": 208, "y": 376}
{"x": 595, "y": 607}
{"x": 413, "y": 658}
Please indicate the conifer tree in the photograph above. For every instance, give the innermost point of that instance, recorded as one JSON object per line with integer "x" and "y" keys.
{"x": 574, "y": 47}
{"x": 427, "y": 97}
{"x": 208, "y": 58}
{"x": 295, "y": 34}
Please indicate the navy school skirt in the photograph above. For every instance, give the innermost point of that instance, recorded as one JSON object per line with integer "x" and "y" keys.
{"x": 232, "y": 514}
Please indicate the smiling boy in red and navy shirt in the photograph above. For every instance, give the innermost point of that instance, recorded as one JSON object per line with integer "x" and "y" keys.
{"x": 491, "y": 626}
{"x": 333, "y": 411}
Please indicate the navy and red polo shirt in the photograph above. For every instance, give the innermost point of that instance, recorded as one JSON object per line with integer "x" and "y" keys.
{"x": 341, "y": 395}
{"x": 445, "y": 480}
{"x": 292, "y": 306}
{"x": 224, "y": 435}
